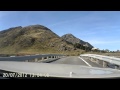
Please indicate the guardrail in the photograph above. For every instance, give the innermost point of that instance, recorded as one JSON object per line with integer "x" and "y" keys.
{"x": 33, "y": 58}
{"x": 108, "y": 59}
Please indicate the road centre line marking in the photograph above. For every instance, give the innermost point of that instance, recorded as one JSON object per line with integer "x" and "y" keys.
{"x": 85, "y": 62}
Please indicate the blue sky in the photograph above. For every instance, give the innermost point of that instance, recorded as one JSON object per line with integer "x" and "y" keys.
{"x": 100, "y": 28}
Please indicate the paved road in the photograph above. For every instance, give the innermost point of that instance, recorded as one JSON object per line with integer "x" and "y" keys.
{"x": 75, "y": 60}
{"x": 55, "y": 70}
{"x": 92, "y": 63}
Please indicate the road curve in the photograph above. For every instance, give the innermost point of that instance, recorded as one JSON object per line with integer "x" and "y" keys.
{"x": 75, "y": 60}
{"x": 21, "y": 69}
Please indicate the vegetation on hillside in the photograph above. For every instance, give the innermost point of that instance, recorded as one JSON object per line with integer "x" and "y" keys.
{"x": 34, "y": 39}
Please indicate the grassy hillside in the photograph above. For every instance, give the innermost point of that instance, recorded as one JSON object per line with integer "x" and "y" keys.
{"x": 34, "y": 39}
{"x": 72, "y": 39}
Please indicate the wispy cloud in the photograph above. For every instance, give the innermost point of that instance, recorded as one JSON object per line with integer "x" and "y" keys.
{"x": 88, "y": 33}
{"x": 5, "y": 13}
{"x": 2, "y": 13}
{"x": 103, "y": 42}
{"x": 82, "y": 19}
{"x": 101, "y": 30}
{"x": 63, "y": 22}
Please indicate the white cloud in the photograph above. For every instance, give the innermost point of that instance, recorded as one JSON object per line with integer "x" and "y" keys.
{"x": 102, "y": 42}
{"x": 87, "y": 33}
{"x": 62, "y": 22}
{"x": 4, "y": 13}
{"x": 82, "y": 19}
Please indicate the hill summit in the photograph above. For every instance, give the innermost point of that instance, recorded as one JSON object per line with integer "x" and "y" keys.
{"x": 72, "y": 39}
{"x": 34, "y": 39}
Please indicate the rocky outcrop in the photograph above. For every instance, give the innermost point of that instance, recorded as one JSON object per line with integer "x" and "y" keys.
{"x": 72, "y": 39}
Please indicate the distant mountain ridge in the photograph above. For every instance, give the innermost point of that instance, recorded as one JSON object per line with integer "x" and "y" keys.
{"x": 72, "y": 39}
{"x": 34, "y": 39}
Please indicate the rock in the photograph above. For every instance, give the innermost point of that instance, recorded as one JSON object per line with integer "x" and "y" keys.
{"x": 72, "y": 39}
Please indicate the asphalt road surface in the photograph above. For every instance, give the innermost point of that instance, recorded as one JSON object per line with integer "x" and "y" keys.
{"x": 76, "y": 60}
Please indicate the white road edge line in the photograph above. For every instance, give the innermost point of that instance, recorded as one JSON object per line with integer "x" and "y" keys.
{"x": 85, "y": 61}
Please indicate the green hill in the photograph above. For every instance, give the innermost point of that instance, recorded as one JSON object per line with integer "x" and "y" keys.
{"x": 34, "y": 39}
